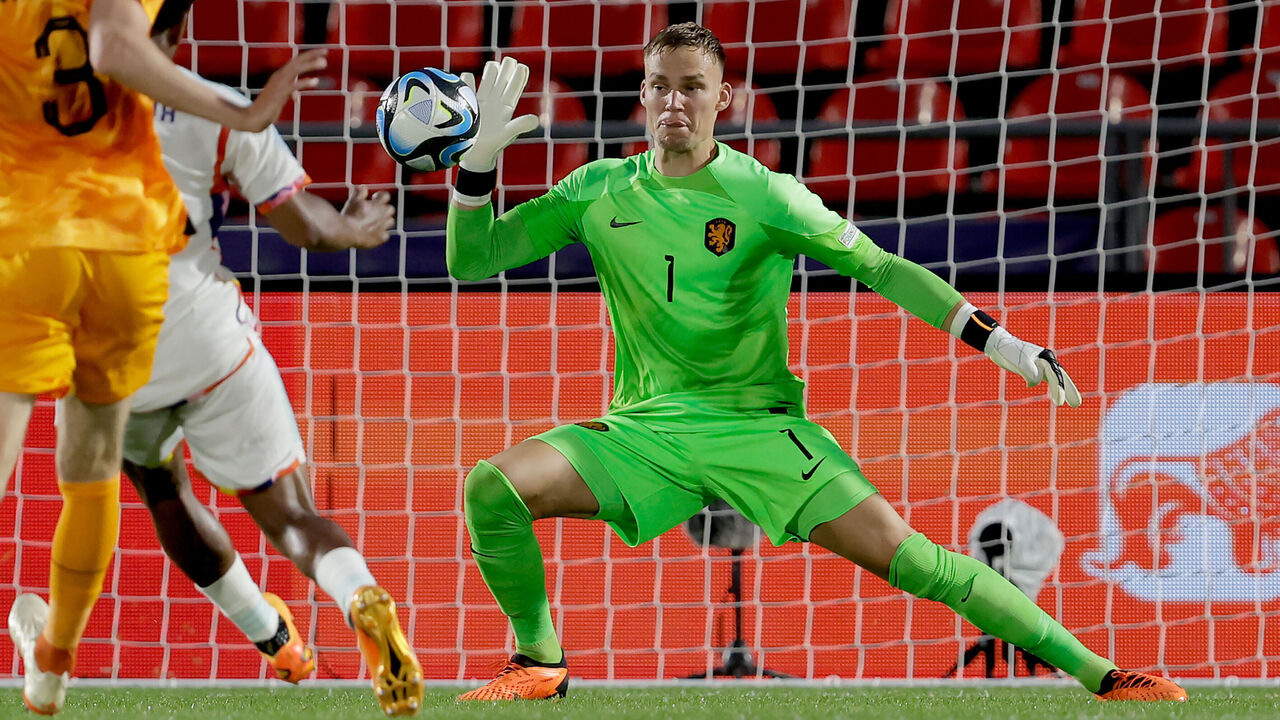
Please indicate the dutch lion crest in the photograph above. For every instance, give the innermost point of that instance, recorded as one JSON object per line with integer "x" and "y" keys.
{"x": 719, "y": 235}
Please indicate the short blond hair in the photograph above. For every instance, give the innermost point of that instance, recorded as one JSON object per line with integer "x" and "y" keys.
{"x": 686, "y": 35}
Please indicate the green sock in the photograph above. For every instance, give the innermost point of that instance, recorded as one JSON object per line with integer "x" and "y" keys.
{"x": 989, "y": 601}
{"x": 510, "y": 560}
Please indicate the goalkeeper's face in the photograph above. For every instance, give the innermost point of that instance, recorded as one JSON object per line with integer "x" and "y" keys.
{"x": 682, "y": 92}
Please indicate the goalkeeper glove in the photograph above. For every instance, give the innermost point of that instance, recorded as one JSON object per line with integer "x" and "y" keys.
{"x": 500, "y": 88}
{"x": 1029, "y": 361}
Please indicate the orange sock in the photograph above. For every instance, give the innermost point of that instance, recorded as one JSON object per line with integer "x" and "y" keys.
{"x": 82, "y": 546}
{"x": 53, "y": 660}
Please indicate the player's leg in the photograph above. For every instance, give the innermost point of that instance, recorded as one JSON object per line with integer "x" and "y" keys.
{"x": 323, "y": 551}
{"x": 189, "y": 534}
{"x": 791, "y": 477}
{"x": 111, "y": 313}
{"x": 244, "y": 438}
{"x": 562, "y": 473}
{"x": 873, "y": 535}
{"x": 502, "y": 498}
{"x": 200, "y": 547}
{"x": 88, "y": 468}
{"x": 40, "y": 294}
{"x": 15, "y": 411}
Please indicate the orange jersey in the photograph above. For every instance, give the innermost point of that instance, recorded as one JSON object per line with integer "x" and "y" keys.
{"x": 80, "y": 164}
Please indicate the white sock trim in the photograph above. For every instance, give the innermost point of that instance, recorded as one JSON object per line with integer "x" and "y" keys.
{"x": 339, "y": 573}
{"x": 240, "y": 599}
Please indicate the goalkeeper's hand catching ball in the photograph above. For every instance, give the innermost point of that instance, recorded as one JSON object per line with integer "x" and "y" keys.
{"x": 500, "y": 88}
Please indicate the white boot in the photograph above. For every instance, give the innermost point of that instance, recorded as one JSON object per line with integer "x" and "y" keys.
{"x": 44, "y": 692}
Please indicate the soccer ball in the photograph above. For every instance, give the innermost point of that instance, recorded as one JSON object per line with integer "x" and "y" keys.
{"x": 427, "y": 118}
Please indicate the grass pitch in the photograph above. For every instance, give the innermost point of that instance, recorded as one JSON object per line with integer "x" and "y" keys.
{"x": 655, "y": 703}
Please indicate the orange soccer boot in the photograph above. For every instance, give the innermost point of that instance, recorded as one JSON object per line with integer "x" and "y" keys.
{"x": 1130, "y": 685}
{"x": 524, "y": 679}
{"x": 397, "y": 676}
{"x": 294, "y": 661}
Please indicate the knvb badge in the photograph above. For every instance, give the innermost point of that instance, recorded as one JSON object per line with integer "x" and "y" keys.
{"x": 1189, "y": 496}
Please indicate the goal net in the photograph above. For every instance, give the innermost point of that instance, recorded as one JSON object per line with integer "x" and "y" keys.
{"x": 1094, "y": 173}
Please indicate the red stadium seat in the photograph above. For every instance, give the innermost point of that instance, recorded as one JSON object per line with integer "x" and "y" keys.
{"x": 527, "y": 169}
{"x": 1233, "y": 99}
{"x": 928, "y": 167}
{"x": 241, "y": 39}
{"x": 1180, "y": 244}
{"x": 975, "y": 40}
{"x": 767, "y": 151}
{"x": 1079, "y": 95}
{"x": 575, "y": 29}
{"x": 774, "y": 40}
{"x": 326, "y": 161}
{"x": 1132, "y": 31}
{"x": 447, "y": 35}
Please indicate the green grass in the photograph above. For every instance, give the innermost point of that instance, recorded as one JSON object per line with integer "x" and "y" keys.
{"x": 687, "y": 703}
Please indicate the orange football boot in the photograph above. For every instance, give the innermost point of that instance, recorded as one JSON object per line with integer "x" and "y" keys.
{"x": 524, "y": 679}
{"x": 295, "y": 660}
{"x": 1130, "y": 685}
{"x": 397, "y": 676}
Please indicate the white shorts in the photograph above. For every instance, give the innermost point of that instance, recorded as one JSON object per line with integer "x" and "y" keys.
{"x": 207, "y": 331}
{"x": 242, "y": 433}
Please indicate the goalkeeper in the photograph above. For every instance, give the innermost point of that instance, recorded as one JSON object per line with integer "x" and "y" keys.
{"x": 694, "y": 246}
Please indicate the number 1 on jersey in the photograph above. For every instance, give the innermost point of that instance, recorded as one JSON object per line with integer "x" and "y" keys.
{"x": 671, "y": 277}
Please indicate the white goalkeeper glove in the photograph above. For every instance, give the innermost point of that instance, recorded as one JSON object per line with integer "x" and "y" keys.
{"x": 1029, "y": 361}
{"x": 500, "y": 88}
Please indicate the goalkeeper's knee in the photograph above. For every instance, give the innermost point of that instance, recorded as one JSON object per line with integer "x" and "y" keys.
{"x": 492, "y": 505}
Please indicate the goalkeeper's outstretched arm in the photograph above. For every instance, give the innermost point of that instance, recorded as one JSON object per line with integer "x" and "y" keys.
{"x": 803, "y": 225}
{"x": 930, "y": 298}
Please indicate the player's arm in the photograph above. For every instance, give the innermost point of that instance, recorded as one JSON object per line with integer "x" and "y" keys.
{"x": 478, "y": 245}
{"x": 311, "y": 223}
{"x": 266, "y": 173}
{"x": 930, "y": 298}
{"x": 120, "y": 47}
{"x": 914, "y": 288}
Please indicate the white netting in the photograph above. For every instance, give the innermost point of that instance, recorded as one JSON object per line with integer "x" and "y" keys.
{"x": 1093, "y": 173}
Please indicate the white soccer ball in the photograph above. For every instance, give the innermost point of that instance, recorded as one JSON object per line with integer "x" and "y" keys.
{"x": 427, "y": 118}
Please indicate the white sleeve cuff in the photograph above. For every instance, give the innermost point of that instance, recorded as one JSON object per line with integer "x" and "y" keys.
{"x": 961, "y": 319}
{"x": 472, "y": 201}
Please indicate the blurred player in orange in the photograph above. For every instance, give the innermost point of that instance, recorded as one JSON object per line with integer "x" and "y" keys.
{"x": 88, "y": 218}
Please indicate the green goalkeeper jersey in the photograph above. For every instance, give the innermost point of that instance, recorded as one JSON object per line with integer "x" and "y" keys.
{"x": 696, "y": 272}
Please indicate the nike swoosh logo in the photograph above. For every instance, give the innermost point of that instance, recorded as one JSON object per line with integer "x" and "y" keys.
{"x": 812, "y": 470}
{"x": 968, "y": 592}
{"x": 615, "y": 224}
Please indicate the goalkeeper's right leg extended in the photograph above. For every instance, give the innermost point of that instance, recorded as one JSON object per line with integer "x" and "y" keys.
{"x": 875, "y": 537}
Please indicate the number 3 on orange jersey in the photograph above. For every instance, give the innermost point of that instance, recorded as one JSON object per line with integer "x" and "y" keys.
{"x": 79, "y": 90}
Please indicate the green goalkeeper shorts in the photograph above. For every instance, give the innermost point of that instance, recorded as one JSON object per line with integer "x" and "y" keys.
{"x": 784, "y": 473}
